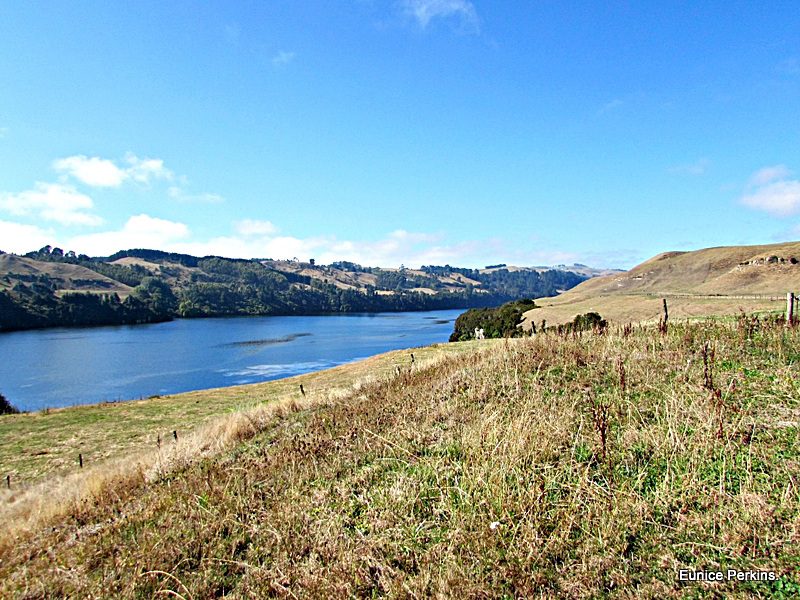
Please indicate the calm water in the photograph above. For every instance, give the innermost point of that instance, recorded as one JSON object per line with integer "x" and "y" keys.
{"x": 63, "y": 367}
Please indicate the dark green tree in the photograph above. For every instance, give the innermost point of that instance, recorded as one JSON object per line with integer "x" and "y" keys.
{"x": 6, "y": 408}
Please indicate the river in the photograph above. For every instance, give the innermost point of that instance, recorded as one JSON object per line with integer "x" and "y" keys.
{"x": 52, "y": 368}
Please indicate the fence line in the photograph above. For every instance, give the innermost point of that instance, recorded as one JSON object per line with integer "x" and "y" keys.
{"x": 771, "y": 297}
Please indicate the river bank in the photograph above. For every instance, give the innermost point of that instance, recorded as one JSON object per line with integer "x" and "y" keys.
{"x": 41, "y": 444}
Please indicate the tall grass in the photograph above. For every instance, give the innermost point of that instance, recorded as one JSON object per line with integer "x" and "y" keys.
{"x": 575, "y": 465}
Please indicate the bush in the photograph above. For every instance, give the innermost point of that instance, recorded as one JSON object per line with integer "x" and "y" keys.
{"x": 6, "y": 408}
{"x": 591, "y": 320}
{"x": 496, "y": 322}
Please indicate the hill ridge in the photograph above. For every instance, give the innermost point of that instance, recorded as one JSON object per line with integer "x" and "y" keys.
{"x": 723, "y": 277}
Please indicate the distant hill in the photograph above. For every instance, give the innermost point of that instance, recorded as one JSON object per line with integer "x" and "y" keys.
{"x": 712, "y": 281}
{"x": 65, "y": 277}
{"x": 580, "y": 269}
{"x": 49, "y": 287}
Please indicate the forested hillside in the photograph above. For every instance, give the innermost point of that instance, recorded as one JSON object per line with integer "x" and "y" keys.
{"x": 50, "y": 287}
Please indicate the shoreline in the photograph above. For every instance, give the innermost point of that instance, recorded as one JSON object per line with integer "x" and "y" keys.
{"x": 124, "y": 363}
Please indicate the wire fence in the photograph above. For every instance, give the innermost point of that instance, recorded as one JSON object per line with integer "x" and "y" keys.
{"x": 770, "y": 297}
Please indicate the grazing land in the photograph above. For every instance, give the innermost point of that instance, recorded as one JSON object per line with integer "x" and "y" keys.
{"x": 595, "y": 464}
{"x": 712, "y": 281}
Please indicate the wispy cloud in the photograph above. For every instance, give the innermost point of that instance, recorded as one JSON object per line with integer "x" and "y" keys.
{"x": 780, "y": 199}
{"x": 699, "y": 167}
{"x": 143, "y": 170}
{"x": 425, "y": 11}
{"x": 52, "y": 202}
{"x": 770, "y": 190}
{"x": 3, "y": 132}
{"x": 250, "y": 227}
{"x": 181, "y": 195}
{"x": 616, "y": 103}
{"x": 282, "y": 58}
{"x": 767, "y": 174}
{"x": 789, "y": 66}
{"x": 105, "y": 173}
{"x": 232, "y": 32}
{"x": 790, "y": 233}
{"x": 614, "y": 259}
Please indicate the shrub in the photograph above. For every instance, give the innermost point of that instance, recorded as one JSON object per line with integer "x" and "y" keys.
{"x": 591, "y": 320}
{"x": 6, "y": 408}
{"x": 496, "y": 322}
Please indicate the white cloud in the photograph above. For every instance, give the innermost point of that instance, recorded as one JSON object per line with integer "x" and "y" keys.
{"x": 767, "y": 174}
{"x": 282, "y": 58}
{"x": 424, "y": 11}
{"x": 143, "y": 169}
{"x": 770, "y": 190}
{"x": 52, "y": 201}
{"x": 182, "y": 196}
{"x": 140, "y": 231}
{"x": 101, "y": 172}
{"x": 257, "y": 239}
{"x": 3, "y": 132}
{"x": 395, "y": 248}
{"x": 18, "y": 238}
{"x": 284, "y": 247}
{"x": 780, "y": 198}
{"x": 91, "y": 171}
{"x": 248, "y": 227}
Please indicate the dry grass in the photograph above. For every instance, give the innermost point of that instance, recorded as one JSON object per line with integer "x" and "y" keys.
{"x": 711, "y": 281}
{"x": 556, "y": 466}
{"x": 63, "y": 274}
{"x": 621, "y": 309}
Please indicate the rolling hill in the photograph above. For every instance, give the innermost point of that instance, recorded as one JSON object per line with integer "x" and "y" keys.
{"x": 51, "y": 288}
{"x": 711, "y": 281}
{"x": 64, "y": 277}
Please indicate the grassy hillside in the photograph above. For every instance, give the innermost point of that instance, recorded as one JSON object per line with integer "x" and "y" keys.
{"x": 571, "y": 466}
{"x": 38, "y": 446}
{"x": 712, "y": 281}
{"x": 135, "y": 286}
{"x": 63, "y": 277}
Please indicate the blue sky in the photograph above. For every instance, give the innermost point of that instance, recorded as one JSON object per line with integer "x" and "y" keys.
{"x": 400, "y": 131}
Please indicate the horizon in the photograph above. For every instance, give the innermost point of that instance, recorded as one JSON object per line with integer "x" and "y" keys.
{"x": 411, "y": 132}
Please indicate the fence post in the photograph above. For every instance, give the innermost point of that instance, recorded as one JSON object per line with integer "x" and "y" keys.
{"x": 789, "y": 308}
